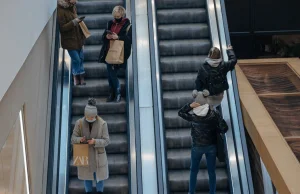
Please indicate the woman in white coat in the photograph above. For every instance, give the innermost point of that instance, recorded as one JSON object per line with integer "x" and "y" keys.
{"x": 93, "y": 130}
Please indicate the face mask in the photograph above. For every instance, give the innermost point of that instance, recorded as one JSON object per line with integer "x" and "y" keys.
{"x": 90, "y": 121}
{"x": 118, "y": 20}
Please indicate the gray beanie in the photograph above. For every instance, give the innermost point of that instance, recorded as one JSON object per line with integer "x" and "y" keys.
{"x": 200, "y": 98}
{"x": 91, "y": 109}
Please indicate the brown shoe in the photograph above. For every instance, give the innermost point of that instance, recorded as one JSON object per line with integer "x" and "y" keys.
{"x": 76, "y": 80}
{"x": 82, "y": 82}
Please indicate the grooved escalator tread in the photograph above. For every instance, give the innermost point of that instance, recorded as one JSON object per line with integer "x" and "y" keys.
{"x": 117, "y": 164}
{"x": 181, "y": 159}
{"x": 91, "y": 52}
{"x": 97, "y": 21}
{"x": 183, "y": 31}
{"x": 95, "y": 38}
{"x": 177, "y": 99}
{"x": 113, "y": 185}
{"x": 172, "y": 120}
{"x": 98, "y": 70}
{"x": 181, "y": 64}
{"x": 218, "y": 192}
{"x": 181, "y": 16}
{"x": 117, "y": 123}
{"x": 178, "y": 81}
{"x": 184, "y": 47}
{"x": 88, "y": 7}
{"x": 173, "y": 4}
{"x": 179, "y": 180}
{"x": 94, "y": 87}
{"x": 103, "y": 107}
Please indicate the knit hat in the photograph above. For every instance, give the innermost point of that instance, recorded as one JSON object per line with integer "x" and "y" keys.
{"x": 91, "y": 109}
{"x": 200, "y": 98}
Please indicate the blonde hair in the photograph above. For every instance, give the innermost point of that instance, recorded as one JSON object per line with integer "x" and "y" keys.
{"x": 214, "y": 53}
{"x": 119, "y": 9}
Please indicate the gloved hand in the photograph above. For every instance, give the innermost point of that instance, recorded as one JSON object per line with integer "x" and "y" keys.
{"x": 194, "y": 93}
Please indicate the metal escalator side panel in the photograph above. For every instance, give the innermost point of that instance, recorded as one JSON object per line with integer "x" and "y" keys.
{"x": 157, "y": 100}
{"x": 234, "y": 105}
{"x": 232, "y": 164}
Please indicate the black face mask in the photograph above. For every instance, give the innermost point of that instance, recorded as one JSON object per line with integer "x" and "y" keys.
{"x": 118, "y": 20}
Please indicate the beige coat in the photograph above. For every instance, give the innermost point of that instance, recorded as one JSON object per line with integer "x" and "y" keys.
{"x": 97, "y": 155}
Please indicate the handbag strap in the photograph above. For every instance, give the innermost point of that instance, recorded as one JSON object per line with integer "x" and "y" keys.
{"x": 127, "y": 29}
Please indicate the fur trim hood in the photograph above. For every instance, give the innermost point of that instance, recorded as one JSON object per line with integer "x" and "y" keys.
{"x": 63, "y": 3}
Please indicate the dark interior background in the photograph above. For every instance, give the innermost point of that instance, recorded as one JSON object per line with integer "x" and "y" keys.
{"x": 254, "y": 23}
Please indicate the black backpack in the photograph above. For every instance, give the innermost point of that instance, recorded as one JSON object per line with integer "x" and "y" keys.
{"x": 216, "y": 81}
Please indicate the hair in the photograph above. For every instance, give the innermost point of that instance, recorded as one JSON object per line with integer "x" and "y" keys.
{"x": 92, "y": 102}
{"x": 119, "y": 9}
{"x": 214, "y": 53}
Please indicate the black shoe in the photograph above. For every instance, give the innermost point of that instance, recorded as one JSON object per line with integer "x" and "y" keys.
{"x": 88, "y": 192}
{"x": 111, "y": 96}
{"x": 99, "y": 192}
{"x": 118, "y": 98}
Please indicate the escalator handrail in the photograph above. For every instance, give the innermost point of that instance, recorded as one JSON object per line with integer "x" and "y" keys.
{"x": 132, "y": 96}
{"x": 161, "y": 154}
{"x": 235, "y": 109}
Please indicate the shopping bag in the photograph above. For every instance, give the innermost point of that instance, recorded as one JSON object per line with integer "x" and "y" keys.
{"x": 80, "y": 154}
{"x": 115, "y": 54}
{"x": 84, "y": 29}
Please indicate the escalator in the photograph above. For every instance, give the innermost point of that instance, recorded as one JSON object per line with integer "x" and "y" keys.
{"x": 98, "y": 13}
{"x": 184, "y": 41}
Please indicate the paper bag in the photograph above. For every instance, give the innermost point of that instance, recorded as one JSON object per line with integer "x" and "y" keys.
{"x": 115, "y": 54}
{"x": 84, "y": 29}
{"x": 80, "y": 154}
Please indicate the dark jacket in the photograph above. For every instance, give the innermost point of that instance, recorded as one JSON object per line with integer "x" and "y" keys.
{"x": 224, "y": 67}
{"x": 204, "y": 129}
{"x": 72, "y": 37}
{"x": 123, "y": 35}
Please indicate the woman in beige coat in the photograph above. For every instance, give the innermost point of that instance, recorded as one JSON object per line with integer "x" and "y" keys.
{"x": 93, "y": 130}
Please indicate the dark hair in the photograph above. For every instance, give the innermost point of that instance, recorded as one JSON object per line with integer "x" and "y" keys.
{"x": 92, "y": 102}
{"x": 214, "y": 53}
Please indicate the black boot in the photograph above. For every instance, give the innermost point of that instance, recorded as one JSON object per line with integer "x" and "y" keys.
{"x": 76, "y": 80}
{"x": 99, "y": 192}
{"x": 111, "y": 96}
{"x": 88, "y": 192}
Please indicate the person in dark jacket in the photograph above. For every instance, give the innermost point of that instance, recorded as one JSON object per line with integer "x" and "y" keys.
{"x": 206, "y": 123}
{"x": 121, "y": 30}
{"x": 214, "y": 63}
{"x": 72, "y": 37}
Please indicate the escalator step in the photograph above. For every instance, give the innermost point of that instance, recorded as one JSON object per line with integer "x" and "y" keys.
{"x": 117, "y": 164}
{"x": 172, "y": 120}
{"x": 113, "y": 185}
{"x": 79, "y": 103}
{"x": 97, "y": 21}
{"x": 177, "y": 99}
{"x": 117, "y": 123}
{"x": 178, "y": 138}
{"x": 95, "y": 38}
{"x": 221, "y": 192}
{"x": 183, "y": 31}
{"x": 98, "y": 70}
{"x": 181, "y": 159}
{"x": 94, "y": 87}
{"x": 184, "y": 47}
{"x": 91, "y": 52}
{"x": 181, "y": 16}
{"x": 89, "y": 7}
{"x": 180, "y": 64}
{"x": 173, "y": 4}
{"x": 179, "y": 81}
{"x": 179, "y": 180}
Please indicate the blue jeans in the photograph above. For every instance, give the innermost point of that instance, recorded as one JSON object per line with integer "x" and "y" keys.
{"x": 113, "y": 80}
{"x": 77, "y": 59}
{"x": 196, "y": 156}
{"x": 88, "y": 184}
